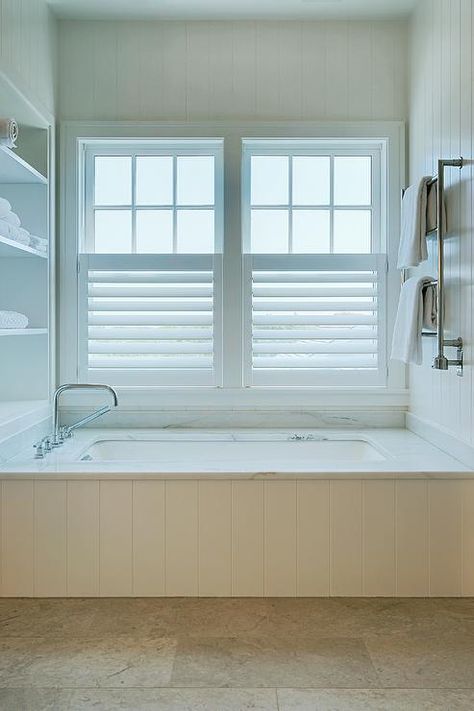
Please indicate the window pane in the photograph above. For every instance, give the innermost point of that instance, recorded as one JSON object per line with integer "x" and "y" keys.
{"x": 154, "y": 180}
{"x": 311, "y": 231}
{"x": 269, "y": 180}
{"x": 113, "y": 231}
{"x": 113, "y": 180}
{"x": 195, "y": 180}
{"x": 352, "y": 231}
{"x": 269, "y": 231}
{"x": 195, "y": 231}
{"x": 154, "y": 231}
{"x": 311, "y": 180}
{"x": 352, "y": 180}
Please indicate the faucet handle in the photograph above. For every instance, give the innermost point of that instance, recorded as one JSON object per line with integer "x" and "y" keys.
{"x": 39, "y": 446}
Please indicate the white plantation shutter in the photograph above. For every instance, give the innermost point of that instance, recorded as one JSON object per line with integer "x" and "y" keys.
{"x": 315, "y": 319}
{"x": 150, "y": 319}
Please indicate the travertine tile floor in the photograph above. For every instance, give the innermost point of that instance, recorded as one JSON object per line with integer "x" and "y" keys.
{"x": 237, "y": 654}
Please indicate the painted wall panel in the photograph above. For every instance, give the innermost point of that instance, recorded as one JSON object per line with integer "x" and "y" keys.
{"x": 50, "y": 538}
{"x": 148, "y": 538}
{"x": 247, "y": 538}
{"x": 83, "y": 538}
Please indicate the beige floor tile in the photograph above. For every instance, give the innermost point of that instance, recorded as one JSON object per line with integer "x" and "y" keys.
{"x": 139, "y": 700}
{"x": 267, "y": 661}
{"x": 78, "y": 662}
{"x": 374, "y": 700}
{"x": 428, "y": 661}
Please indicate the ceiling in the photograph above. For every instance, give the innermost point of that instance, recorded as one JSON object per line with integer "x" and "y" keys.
{"x": 231, "y": 9}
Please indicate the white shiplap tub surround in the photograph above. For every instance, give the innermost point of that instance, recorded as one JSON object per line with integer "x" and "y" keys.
{"x": 70, "y": 530}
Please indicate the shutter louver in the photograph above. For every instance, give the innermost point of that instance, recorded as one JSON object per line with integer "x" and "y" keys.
{"x": 316, "y": 319}
{"x": 149, "y": 320}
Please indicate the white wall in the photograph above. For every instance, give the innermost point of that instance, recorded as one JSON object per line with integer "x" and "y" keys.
{"x": 441, "y": 125}
{"x": 219, "y": 70}
{"x": 28, "y": 49}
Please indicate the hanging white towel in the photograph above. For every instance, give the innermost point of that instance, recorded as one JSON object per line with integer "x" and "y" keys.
{"x": 416, "y": 309}
{"x": 413, "y": 248}
{"x": 13, "y": 319}
{"x": 5, "y": 207}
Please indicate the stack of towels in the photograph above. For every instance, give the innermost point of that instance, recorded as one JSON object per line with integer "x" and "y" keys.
{"x": 417, "y": 308}
{"x": 10, "y": 227}
{"x": 13, "y": 319}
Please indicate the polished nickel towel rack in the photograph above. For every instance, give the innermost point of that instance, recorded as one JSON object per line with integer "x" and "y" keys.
{"x": 441, "y": 362}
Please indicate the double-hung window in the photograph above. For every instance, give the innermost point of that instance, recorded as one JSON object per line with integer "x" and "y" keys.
{"x": 303, "y": 273}
{"x": 150, "y": 268}
{"x": 315, "y": 263}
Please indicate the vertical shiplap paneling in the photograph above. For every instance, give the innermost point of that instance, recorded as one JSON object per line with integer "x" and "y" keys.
{"x": 445, "y": 527}
{"x": 83, "y": 538}
{"x": 251, "y": 70}
{"x": 215, "y": 538}
{"x": 247, "y": 538}
{"x": 50, "y": 538}
{"x": 411, "y": 530}
{"x": 346, "y": 538}
{"x": 18, "y": 538}
{"x": 181, "y": 553}
{"x": 115, "y": 563}
{"x": 312, "y": 561}
{"x": 441, "y": 73}
{"x": 148, "y": 538}
{"x": 467, "y": 562}
{"x": 280, "y": 538}
{"x": 378, "y": 538}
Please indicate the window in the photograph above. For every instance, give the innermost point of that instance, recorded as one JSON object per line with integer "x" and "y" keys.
{"x": 314, "y": 269}
{"x": 150, "y": 265}
{"x": 248, "y": 265}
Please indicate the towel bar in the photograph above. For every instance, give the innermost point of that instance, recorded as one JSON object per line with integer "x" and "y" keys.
{"x": 441, "y": 362}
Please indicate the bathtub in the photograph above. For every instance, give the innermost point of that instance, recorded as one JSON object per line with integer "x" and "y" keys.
{"x": 237, "y": 513}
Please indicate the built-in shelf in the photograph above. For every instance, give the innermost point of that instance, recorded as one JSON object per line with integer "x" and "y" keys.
{"x": 23, "y": 331}
{"x": 11, "y": 248}
{"x": 14, "y": 169}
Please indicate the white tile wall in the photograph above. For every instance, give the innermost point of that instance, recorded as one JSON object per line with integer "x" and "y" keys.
{"x": 28, "y": 48}
{"x": 233, "y": 70}
{"x": 441, "y": 125}
{"x": 237, "y": 538}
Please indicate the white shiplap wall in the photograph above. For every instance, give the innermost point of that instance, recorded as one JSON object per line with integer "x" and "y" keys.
{"x": 352, "y": 537}
{"x": 28, "y": 49}
{"x": 232, "y": 70}
{"x": 441, "y": 125}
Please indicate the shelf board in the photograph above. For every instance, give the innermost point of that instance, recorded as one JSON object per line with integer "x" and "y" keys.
{"x": 14, "y": 169}
{"x": 23, "y": 331}
{"x": 11, "y": 248}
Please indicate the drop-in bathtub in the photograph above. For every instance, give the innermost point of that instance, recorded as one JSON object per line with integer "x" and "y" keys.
{"x": 237, "y": 513}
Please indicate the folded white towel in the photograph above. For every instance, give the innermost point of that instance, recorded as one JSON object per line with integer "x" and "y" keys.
{"x": 416, "y": 309}
{"x": 38, "y": 241}
{"x": 14, "y": 232}
{"x": 5, "y": 207}
{"x": 12, "y": 219}
{"x": 13, "y": 319}
{"x": 5, "y": 229}
{"x": 413, "y": 248}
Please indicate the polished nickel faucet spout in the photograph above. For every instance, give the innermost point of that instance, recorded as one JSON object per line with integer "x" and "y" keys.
{"x": 57, "y": 430}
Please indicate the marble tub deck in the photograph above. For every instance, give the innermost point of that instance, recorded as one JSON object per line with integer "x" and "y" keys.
{"x": 184, "y": 654}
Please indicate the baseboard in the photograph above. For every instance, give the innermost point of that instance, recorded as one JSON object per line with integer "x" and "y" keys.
{"x": 441, "y": 438}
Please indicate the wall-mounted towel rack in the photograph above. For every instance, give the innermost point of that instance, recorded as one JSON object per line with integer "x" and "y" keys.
{"x": 441, "y": 362}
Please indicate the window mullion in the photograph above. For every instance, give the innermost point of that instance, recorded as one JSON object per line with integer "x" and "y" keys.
{"x": 290, "y": 204}
{"x": 331, "y": 205}
{"x": 175, "y": 216}
{"x": 134, "y": 211}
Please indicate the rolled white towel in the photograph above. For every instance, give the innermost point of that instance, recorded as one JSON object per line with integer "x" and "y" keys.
{"x": 8, "y": 132}
{"x": 5, "y": 207}
{"x": 23, "y": 236}
{"x": 5, "y": 229}
{"x": 13, "y": 319}
{"x": 12, "y": 219}
{"x": 39, "y": 243}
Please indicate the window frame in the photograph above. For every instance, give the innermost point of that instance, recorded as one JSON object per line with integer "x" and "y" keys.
{"x": 73, "y": 136}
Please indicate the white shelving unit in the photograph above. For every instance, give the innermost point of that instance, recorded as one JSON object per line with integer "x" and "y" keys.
{"x": 25, "y": 279}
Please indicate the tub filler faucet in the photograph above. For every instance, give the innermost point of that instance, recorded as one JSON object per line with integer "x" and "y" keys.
{"x": 59, "y": 433}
